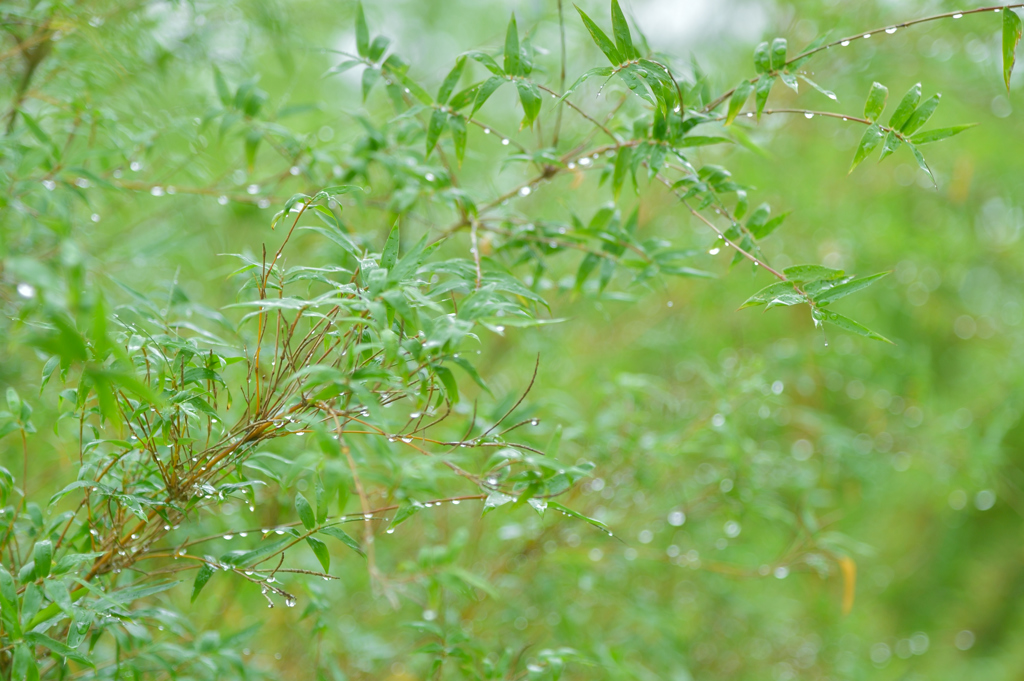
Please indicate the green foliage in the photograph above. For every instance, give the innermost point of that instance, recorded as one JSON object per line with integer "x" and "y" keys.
{"x": 217, "y": 386}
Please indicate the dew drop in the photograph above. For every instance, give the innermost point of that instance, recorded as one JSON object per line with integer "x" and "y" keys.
{"x": 290, "y": 602}
{"x": 222, "y": 200}
{"x": 50, "y": 185}
{"x": 157, "y": 191}
{"x": 455, "y": 502}
{"x": 487, "y": 131}
{"x": 867, "y": 35}
{"x": 525, "y": 191}
{"x": 890, "y": 31}
{"x": 252, "y": 189}
{"x": 957, "y": 16}
{"x": 808, "y": 115}
{"x": 26, "y": 290}
{"x": 391, "y": 530}
{"x": 845, "y": 43}
{"x": 504, "y": 142}
{"x": 136, "y": 166}
{"x": 714, "y": 251}
{"x": 294, "y": 170}
{"x": 429, "y": 177}
{"x": 229, "y": 537}
{"x": 750, "y": 115}
{"x": 95, "y": 217}
{"x": 243, "y": 535}
{"x": 263, "y": 203}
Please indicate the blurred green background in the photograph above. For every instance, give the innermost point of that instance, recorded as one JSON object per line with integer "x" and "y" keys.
{"x": 738, "y": 456}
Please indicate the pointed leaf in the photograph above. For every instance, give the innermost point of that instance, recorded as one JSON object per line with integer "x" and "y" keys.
{"x": 450, "y": 81}
{"x": 513, "y": 60}
{"x": 906, "y": 107}
{"x": 938, "y": 134}
{"x": 623, "y": 40}
{"x": 389, "y": 256}
{"x": 205, "y": 572}
{"x": 892, "y": 143}
{"x": 920, "y": 115}
{"x": 764, "y": 87}
{"x": 849, "y": 325}
{"x": 438, "y": 121}
{"x": 486, "y": 90}
{"x": 738, "y": 99}
{"x": 362, "y": 32}
{"x": 1011, "y": 37}
{"x": 601, "y": 40}
{"x": 321, "y": 552}
{"x": 57, "y": 647}
{"x": 457, "y": 125}
{"x": 836, "y": 292}
{"x": 529, "y": 96}
{"x": 305, "y": 511}
{"x": 603, "y": 71}
{"x": 779, "y": 293}
{"x": 344, "y": 538}
{"x": 872, "y": 138}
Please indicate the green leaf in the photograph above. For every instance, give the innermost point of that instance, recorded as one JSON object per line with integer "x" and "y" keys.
{"x": 24, "y": 665}
{"x": 404, "y": 512}
{"x": 849, "y": 325}
{"x": 778, "y": 56}
{"x": 906, "y": 107}
{"x": 738, "y": 99}
{"x": 576, "y": 514}
{"x": 892, "y": 143}
{"x": 920, "y": 115}
{"x": 362, "y": 32}
{"x": 369, "y": 78}
{"x": 919, "y": 157}
{"x": 451, "y": 386}
{"x": 764, "y": 87}
{"x": 762, "y": 58}
{"x": 57, "y": 647}
{"x": 57, "y": 591}
{"x": 205, "y": 572}
{"x": 222, "y": 87}
{"x": 322, "y": 500}
{"x": 438, "y": 121}
{"x": 43, "y": 556}
{"x": 805, "y": 273}
{"x": 529, "y": 96}
{"x": 457, "y": 126}
{"x": 938, "y": 134}
{"x": 603, "y": 71}
{"x": 875, "y": 104}
{"x": 828, "y": 93}
{"x": 623, "y": 40}
{"x": 389, "y": 256}
{"x": 1011, "y": 37}
{"x": 451, "y": 80}
{"x": 344, "y": 538}
{"x": 872, "y": 138}
{"x": 601, "y": 40}
{"x": 623, "y": 163}
{"x": 779, "y": 293}
{"x": 842, "y": 290}
{"x": 305, "y": 511}
{"x": 486, "y": 90}
{"x": 513, "y": 58}
{"x": 321, "y": 552}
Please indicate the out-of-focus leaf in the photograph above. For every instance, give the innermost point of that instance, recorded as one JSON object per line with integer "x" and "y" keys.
{"x": 1011, "y": 37}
